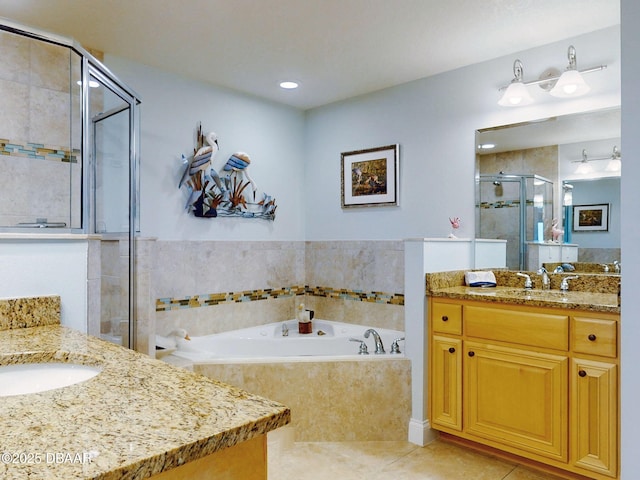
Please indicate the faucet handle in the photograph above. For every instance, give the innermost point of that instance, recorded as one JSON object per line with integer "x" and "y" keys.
{"x": 363, "y": 346}
{"x": 395, "y": 348}
{"x": 528, "y": 284}
{"x": 564, "y": 285}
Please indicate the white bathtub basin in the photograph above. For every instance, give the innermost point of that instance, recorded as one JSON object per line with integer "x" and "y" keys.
{"x": 27, "y": 378}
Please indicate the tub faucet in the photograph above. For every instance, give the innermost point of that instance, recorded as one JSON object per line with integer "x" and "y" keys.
{"x": 564, "y": 285}
{"x": 616, "y": 266}
{"x": 285, "y": 330}
{"x": 376, "y": 339}
{"x": 363, "y": 346}
{"x": 395, "y": 348}
{"x": 528, "y": 285}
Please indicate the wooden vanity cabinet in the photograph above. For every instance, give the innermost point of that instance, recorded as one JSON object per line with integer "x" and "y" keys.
{"x": 540, "y": 383}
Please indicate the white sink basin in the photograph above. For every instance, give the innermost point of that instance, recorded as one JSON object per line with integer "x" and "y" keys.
{"x": 39, "y": 377}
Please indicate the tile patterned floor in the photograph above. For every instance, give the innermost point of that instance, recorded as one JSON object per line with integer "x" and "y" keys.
{"x": 389, "y": 460}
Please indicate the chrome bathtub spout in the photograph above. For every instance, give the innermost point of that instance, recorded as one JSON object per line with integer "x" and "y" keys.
{"x": 376, "y": 339}
{"x": 285, "y": 330}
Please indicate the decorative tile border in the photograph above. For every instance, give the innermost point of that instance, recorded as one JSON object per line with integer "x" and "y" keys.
{"x": 38, "y": 151}
{"x": 196, "y": 301}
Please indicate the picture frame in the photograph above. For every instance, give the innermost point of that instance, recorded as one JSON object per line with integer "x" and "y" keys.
{"x": 591, "y": 218}
{"x": 370, "y": 177}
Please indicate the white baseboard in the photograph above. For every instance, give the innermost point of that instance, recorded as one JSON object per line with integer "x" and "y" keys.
{"x": 421, "y": 433}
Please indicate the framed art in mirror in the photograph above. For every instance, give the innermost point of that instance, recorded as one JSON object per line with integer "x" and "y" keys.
{"x": 591, "y": 218}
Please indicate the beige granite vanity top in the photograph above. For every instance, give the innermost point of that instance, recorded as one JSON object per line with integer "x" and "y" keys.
{"x": 138, "y": 417}
{"x": 594, "y": 293}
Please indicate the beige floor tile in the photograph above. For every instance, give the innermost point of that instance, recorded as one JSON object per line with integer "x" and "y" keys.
{"x": 443, "y": 461}
{"x": 524, "y": 473}
{"x": 390, "y": 460}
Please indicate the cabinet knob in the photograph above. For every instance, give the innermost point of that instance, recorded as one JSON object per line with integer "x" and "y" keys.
{"x": 592, "y": 337}
{"x": 452, "y": 350}
{"x": 471, "y": 354}
{"x": 582, "y": 373}
{"x": 444, "y": 318}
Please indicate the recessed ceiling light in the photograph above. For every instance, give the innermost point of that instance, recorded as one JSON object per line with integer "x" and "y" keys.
{"x": 288, "y": 85}
{"x": 486, "y": 146}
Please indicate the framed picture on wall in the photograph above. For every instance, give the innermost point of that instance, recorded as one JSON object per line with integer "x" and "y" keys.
{"x": 369, "y": 178}
{"x": 591, "y": 218}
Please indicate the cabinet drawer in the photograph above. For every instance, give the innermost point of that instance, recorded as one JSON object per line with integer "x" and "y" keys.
{"x": 447, "y": 318}
{"x": 520, "y": 327}
{"x": 594, "y": 336}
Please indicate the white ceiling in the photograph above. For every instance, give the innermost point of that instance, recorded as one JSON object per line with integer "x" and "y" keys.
{"x": 335, "y": 49}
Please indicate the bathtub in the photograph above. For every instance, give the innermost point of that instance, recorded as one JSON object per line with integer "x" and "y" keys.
{"x": 328, "y": 339}
{"x": 369, "y": 395}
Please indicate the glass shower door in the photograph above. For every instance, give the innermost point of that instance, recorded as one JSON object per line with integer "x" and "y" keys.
{"x": 111, "y": 138}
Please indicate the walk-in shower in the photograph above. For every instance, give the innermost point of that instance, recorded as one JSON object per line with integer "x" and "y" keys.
{"x": 69, "y": 140}
{"x": 516, "y": 208}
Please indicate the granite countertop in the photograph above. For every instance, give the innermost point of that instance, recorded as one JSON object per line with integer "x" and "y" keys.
{"x": 593, "y": 302}
{"x": 138, "y": 417}
{"x": 588, "y": 292}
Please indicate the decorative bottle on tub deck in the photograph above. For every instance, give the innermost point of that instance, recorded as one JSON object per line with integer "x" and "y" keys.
{"x": 304, "y": 320}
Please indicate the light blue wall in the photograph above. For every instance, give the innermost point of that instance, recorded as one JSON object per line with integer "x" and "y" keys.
{"x": 434, "y": 120}
{"x": 630, "y": 326}
{"x": 171, "y": 108}
{"x": 601, "y": 191}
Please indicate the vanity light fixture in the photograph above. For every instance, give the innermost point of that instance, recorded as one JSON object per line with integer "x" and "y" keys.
{"x": 614, "y": 165}
{"x": 516, "y": 94}
{"x": 568, "y": 84}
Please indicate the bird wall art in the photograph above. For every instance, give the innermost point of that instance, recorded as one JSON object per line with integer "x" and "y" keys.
{"x": 211, "y": 195}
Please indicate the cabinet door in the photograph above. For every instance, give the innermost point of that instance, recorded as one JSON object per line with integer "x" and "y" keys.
{"x": 518, "y": 398}
{"x": 594, "y": 416}
{"x": 446, "y": 382}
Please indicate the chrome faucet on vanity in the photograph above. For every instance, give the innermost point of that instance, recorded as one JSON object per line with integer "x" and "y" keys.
{"x": 285, "y": 330}
{"x": 564, "y": 285}
{"x": 376, "y": 339}
{"x": 528, "y": 285}
{"x": 546, "y": 284}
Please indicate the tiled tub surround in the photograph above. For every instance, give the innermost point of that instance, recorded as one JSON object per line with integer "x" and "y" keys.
{"x": 138, "y": 417}
{"x": 252, "y": 283}
{"x": 358, "y": 399}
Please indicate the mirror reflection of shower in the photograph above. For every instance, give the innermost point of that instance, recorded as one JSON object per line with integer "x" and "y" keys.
{"x": 516, "y": 208}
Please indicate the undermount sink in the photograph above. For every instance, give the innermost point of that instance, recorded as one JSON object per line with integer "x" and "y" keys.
{"x": 27, "y": 378}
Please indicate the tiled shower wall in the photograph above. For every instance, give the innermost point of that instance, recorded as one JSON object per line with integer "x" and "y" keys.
{"x": 39, "y": 146}
{"x": 210, "y": 287}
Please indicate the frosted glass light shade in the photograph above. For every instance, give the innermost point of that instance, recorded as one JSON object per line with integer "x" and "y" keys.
{"x": 516, "y": 95}
{"x": 570, "y": 84}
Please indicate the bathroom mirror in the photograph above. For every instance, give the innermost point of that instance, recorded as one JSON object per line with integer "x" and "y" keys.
{"x": 562, "y": 162}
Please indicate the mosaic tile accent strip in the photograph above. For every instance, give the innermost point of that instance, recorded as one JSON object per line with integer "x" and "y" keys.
{"x": 196, "y": 301}
{"x": 357, "y": 295}
{"x": 39, "y": 151}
